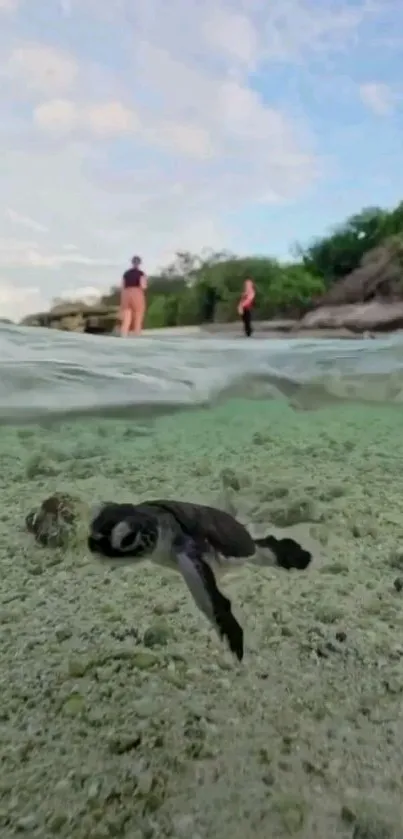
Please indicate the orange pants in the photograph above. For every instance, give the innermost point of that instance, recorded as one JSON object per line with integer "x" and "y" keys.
{"x": 133, "y": 309}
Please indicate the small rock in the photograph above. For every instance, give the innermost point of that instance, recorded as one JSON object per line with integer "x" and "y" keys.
{"x": 398, "y": 584}
{"x": 145, "y": 783}
{"x": 144, "y": 660}
{"x": 121, "y": 744}
{"x": 393, "y": 685}
{"x": 341, "y": 637}
{"x": 57, "y": 821}
{"x": 94, "y": 790}
{"x": 27, "y": 823}
{"x": 63, "y": 633}
{"x": 35, "y": 569}
{"x": 74, "y": 705}
{"x": 156, "y": 635}
{"x": 230, "y": 480}
{"x": 77, "y": 668}
{"x": 396, "y": 560}
{"x": 62, "y": 787}
{"x": 347, "y": 814}
{"x": 56, "y": 520}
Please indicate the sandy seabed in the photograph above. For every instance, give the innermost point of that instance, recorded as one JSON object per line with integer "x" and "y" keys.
{"x": 122, "y": 715}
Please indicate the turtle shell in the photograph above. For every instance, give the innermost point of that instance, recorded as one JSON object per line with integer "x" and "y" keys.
{"x": 224, "y": 533}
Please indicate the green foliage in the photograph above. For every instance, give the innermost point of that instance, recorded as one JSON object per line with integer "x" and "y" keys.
{"x": 281, "y": 289}
{"x": 177, "y": 295}
{"x": 341, "y": 252}
{"x": 176, "y": 299}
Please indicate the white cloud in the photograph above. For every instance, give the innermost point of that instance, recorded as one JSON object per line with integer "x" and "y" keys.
{"x": 25, "y": 221}
{"x": 16, "y": 302}
{"x": 63, "y": 116}
{"x": 87, "y": 294}
{"x": 378, "y": 97}
{"x": 233, "y": 35}
{"x": 111, "y": 118}
{"x": 18, "y": 252}
{"x": 65, "y": 7}
{"x": 185, "y": 138}
{"x": 9, "y": 5}
{"x": 59, "y": 115}
{"x": 42, "y": 69}
{"x": 157, "y": 145}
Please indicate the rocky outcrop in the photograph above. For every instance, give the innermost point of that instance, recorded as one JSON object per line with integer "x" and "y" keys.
{"x": 379, "y": 277}
{"x": 76, "y": 318}
{"x": 369, "y": 299}
{"x": 375, "y": 316}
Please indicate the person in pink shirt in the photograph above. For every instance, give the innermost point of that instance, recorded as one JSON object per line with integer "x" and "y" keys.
{"x": 245, "y": 305}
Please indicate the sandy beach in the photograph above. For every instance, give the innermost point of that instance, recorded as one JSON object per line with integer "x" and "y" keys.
{"x": 122, "y": 715}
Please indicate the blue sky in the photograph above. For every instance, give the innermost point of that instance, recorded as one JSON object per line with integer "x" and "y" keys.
{"x": 142, "y": 126}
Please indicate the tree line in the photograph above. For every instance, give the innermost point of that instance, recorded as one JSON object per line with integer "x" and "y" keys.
{"x": 179, "y": 295}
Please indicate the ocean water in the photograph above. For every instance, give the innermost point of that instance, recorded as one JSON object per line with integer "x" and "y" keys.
{"x": 45, "y": 374}
{"x": 138, "y": 738}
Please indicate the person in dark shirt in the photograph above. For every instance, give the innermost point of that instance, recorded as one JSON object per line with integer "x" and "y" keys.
{"x": 133, "y": 299}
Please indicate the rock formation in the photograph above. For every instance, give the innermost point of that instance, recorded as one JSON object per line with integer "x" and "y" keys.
{"x": 76, "y": 317}
{"x": 370, "y": 298}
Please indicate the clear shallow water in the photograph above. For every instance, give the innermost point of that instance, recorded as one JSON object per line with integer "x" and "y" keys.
{"x": 334, "y": 474}
{"x": 45, "y": 374}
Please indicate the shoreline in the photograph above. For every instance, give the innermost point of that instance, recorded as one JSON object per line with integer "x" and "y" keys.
{"x": 267, "y": 329}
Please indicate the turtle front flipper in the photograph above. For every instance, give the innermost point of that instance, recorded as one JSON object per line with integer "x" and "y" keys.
{"x": 202, "y": 585}
{"x": 287, "y": 553}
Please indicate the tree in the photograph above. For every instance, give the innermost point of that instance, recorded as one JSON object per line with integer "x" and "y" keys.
{"x": 341, "y": 252}
{"x": 360, "y": 259}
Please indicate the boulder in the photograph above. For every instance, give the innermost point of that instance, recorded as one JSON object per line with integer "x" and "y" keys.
{"x": 375, "y": 316}
{"x": 379, "y": 277}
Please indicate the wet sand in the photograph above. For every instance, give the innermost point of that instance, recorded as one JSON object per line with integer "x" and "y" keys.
{"x": 270, "y": 329}
{"x": 122, "y": 715}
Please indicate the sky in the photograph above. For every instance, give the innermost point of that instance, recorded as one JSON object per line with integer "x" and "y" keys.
{"x": 147, "y": 127}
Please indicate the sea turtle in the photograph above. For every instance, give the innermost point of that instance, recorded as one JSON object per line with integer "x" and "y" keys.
{"x": 194, "y": 539}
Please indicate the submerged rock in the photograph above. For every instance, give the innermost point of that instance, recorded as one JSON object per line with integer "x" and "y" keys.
{"x": 57, "y": 520}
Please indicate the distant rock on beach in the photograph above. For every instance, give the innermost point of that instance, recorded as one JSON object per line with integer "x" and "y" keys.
{"x": 375, "y": 316}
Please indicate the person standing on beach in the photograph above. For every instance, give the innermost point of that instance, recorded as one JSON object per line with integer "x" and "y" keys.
{"x": 133, "y": 299}
{"x": 245, "y": 305}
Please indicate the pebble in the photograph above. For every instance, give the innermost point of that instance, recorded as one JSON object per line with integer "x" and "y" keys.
{"x": 57, "y": 821}
{"x": 156, "y": 636}
{"x": 120, "y": 744}
{"x": 63, "y": 633}
{"x": 27, "y": 823}
{"x": 144, "y": 660}
{"x": 145, "y": 783}
{"x": 77, "y": 667}
{"x": 74, "y": 705}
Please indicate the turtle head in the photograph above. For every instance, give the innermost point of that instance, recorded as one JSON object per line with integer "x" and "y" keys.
{"x": 121, "y": 534}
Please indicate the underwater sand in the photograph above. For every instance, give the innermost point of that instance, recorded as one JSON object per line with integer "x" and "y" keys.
{"x": 121, "y": 713}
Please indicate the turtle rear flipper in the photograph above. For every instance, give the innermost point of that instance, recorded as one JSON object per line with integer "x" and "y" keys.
{"x": 202, "y": 585}
{"x": 287, "y": 552}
